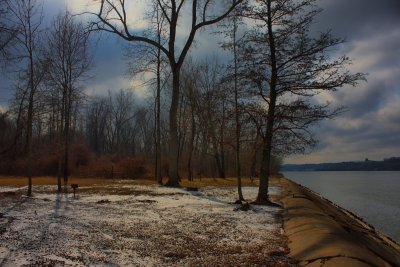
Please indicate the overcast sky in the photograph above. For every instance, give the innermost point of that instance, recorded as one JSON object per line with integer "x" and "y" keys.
{"x": 370, "y": 128}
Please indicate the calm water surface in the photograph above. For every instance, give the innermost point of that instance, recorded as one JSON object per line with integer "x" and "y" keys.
{"x": 375, "y": 196}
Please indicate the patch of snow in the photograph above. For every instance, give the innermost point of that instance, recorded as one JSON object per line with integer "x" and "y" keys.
{"x": 12, "y": 188}
{"x": 155, "y": 226}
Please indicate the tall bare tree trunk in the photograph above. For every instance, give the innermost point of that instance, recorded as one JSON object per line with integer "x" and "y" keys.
{"x": 217, "y": 153}
{"x": 60, "y": 146}
{"x": 67, "y": 119}
{"x": 160, "y": 22}
{"x": 29, "y": 134}
{"x": 254, "y": 157}
{"x": 237, "y": 118}
{"x": 30, "y": 105}
{"x": 265, "y": 170}
{"x": 173, "y": 179}
{"x": 158, "y": 121}
{"x": 222, "y": 140}
{"x": 182, "y": 130}
{"x": 192, "y": 136}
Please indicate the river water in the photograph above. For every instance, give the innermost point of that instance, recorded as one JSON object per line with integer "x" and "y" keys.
{"x": 375, "y": 196}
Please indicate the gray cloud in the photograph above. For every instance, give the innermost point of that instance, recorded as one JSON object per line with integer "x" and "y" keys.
{"x": 371, "y": 127}
{"x": 352, "y": 19}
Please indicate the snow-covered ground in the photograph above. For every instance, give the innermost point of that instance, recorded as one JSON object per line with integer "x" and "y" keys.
{"x": 12, "y": 189}
{"x": 143, "y": 226}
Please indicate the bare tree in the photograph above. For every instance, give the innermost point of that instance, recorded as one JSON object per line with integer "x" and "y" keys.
{"x": 115, "y": 125}
{"x": 144, "y": 58}
{"x": 26, "y": 15}
{"x": 287, "y": 67}
{"x": 68, "y": 57}
{"x": 213, "y": 110}
{"x": 159, "y": 21}
{"x": 122, "y": 115}
{"x": 98, "y": 114}
{"x": 190, "y": 75}
{"x": 112, "y": 17}
{"x": 237, "y": 113}
{"x": 231, "y": 43}
{"x": 8, "y": 31}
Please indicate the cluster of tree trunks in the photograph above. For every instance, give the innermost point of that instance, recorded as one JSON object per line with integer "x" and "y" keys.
{"x": 240, "y": 117}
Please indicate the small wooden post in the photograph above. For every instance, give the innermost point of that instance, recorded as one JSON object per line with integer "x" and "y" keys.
{"x": 74, "y": 187}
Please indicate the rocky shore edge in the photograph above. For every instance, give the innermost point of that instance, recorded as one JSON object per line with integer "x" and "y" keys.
{"x": 321, "y": 233}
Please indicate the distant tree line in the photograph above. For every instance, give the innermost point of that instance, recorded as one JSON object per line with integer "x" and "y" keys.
{"x": 207, "y": 118}
{"x": 388, "y": 164}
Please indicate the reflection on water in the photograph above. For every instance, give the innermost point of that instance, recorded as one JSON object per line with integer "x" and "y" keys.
{"x": 375, "y": 196}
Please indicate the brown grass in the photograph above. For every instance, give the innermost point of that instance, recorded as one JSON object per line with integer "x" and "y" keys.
{"x": 218, "y": 182}
{"x": 19, "y": 181}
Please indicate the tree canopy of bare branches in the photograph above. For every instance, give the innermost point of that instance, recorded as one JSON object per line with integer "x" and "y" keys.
{"x": 112, "y": 17}
{"x": 286, "y": 68}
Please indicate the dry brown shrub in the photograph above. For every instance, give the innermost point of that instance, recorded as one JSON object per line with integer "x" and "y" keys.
{"x": 46, "y": 165}
{"x": 136, "y": 167}
{"x": 20, "y": 167}
{"x": 80, "y": 155}
{"x": 46, "y": 161}
{"x": 99, "y": 167}
{"x": 82, "y": 163}
{"x": 6, "y": 166}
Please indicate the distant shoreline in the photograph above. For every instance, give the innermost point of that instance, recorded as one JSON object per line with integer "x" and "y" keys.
{"x": 390, "y": 164}
{"x": 340, "y": 170}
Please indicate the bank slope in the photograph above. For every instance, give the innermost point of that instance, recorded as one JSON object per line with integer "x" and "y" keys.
{"x": 323, "y": 234}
